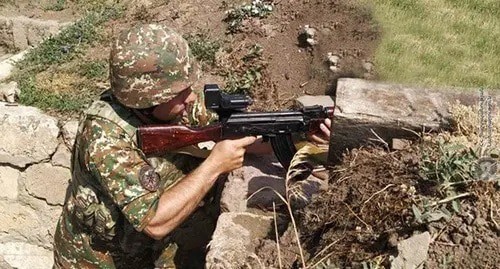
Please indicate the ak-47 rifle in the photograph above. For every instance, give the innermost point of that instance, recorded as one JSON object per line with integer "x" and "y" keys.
{"x": 235, "y": 122}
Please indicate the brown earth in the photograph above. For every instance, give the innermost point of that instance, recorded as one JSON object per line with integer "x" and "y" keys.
{"x": 367, "y": 208}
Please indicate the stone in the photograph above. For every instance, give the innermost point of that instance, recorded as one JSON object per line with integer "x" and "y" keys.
{"x": 235, "y": 239}
{"x": 368, "y": 66}
{"x": 9, "y": 178}
{"x": 9, "y": 92}
{"x": 28, "y": 135}
{"x": 412, "y": 252}
{"x": 311, "y": 100}
{"x": 6, "y": 66}
{"x": 62, "y": 157}
{"x": 478, "y": 222}
{"x": 47, "y": 182}
{"x": 257, "y": 172}
{"x": 23, "y": 222}
{"x": 399, "y": 144}
{"x": 22, "y": 255}
{"x": 391, "y": 111}
{"x": 457, "y": 238}
{"x": 69, "y": 130}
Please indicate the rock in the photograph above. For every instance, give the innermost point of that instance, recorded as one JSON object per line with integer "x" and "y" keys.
{"x": 311, "y": 100}
{"x": 4, "y": 264}
{"x": 25, "y": 32}
{"x": 33, "y": 223}
{"x": 368, "y": 66}
{"x": 412, "y": 252}
{"x": 399, "y": 144}
{"x": 6, "y": 66}
{"x": 22, "y": 255}
{"x": 9, "y": 92}
{"x": 27, "y": 136}
{"x": 9, "y": 178}
{"x": 69, "y": 130}
{"x": 463, "y": 229}
{"x": 468, "y": 240}
{"x": 235, "y": 239}
{"x": 47, "y": 182}
{"x": 62, "y": 157}
{"x": 308, "y": 34}
{"x": 479, "y": 222}
{"x": 257, "y": 172}
{"x": 457, "y": 238}
{"x": 364, "y": 107}
{"x": 332, "y": 59}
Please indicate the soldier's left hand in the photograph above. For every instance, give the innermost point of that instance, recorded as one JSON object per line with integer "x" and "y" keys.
{"x": 322, "y": 137}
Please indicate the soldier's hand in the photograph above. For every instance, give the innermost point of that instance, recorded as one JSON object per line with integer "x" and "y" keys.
{"x": 324, "y": 136}
{"x": 228, "y": 154}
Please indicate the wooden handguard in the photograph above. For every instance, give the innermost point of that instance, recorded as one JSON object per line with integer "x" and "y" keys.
{"x": 157, "y": 139}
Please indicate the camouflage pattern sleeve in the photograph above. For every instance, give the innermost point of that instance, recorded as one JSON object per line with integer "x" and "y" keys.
{"x": 197, "y": 113}
{"x": 123, "y": 172}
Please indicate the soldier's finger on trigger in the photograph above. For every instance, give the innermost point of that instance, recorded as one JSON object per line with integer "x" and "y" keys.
{"x": 325, "y": 129}
{"x": 328, "y": 123}
{"x": 247, "y": 140}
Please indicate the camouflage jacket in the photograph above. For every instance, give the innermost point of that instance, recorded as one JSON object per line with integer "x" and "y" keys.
{"x": 115, "y": 191}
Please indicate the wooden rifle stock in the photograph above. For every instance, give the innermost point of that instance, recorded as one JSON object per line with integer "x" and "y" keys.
{"x": 157, "y": 139}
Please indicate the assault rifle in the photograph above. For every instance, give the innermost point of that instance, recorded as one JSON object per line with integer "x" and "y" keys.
{"x": 234, "y": 122}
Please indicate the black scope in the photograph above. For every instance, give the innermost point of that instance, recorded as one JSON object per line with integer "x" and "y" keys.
{"x": 216, "y": 100}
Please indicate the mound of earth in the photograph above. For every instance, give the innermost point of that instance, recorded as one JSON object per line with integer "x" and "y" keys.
{"x": 367, "y": 212}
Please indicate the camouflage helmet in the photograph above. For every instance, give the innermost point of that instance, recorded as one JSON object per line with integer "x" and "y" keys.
{"x": 149, "y": 65}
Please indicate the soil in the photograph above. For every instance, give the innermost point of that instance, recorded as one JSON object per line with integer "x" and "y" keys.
{"x": 291, "y": 69}
{"x": 367, "y": 209}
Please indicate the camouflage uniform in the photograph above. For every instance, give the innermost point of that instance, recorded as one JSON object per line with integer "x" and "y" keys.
{"x": 115, "y": 189}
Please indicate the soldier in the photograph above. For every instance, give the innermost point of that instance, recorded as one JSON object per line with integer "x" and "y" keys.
{"x": 125, "y": 210}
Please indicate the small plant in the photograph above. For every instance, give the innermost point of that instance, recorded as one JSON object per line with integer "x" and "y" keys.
{"x": 93, "y": 69}
{"x": 449, "y": 163}
{"x": 236, "y": 16}
{"x": 249, "y": 74}
{"x": 202, "y": 47}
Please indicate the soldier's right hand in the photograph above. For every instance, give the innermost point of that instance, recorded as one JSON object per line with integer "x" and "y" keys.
{"x": 228, "y": 154}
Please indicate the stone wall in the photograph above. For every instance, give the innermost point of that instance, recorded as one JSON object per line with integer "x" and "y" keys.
{"x": 34, "y": 175}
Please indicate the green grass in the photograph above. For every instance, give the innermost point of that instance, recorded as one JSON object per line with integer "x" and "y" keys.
{"x": 203, "y": 48}
{"x": 439, "y": 42}
{"x": 69, "y": 45}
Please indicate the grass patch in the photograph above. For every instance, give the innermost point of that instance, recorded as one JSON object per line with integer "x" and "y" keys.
{"x": 203, "y": 48}
{"x": 439, "y": 43}
{"x": 245, "y": 72}
{"x": 62, "y": 91}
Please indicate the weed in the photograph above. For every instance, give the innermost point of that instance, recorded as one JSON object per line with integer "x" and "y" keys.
{"x": 202, "y": 47}
{"x": 236, "y": 16}
{"x": 93, "y": 69}
{"x": 57, "y": 6}
{"x": 244, "y": 73}
{"x": 243, "y": 83}
{"x": 448, "y": 163}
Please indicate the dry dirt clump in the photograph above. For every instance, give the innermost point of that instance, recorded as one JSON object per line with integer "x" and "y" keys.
{"x": 361, "y": 216}
{"x": 471, "y": 238}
